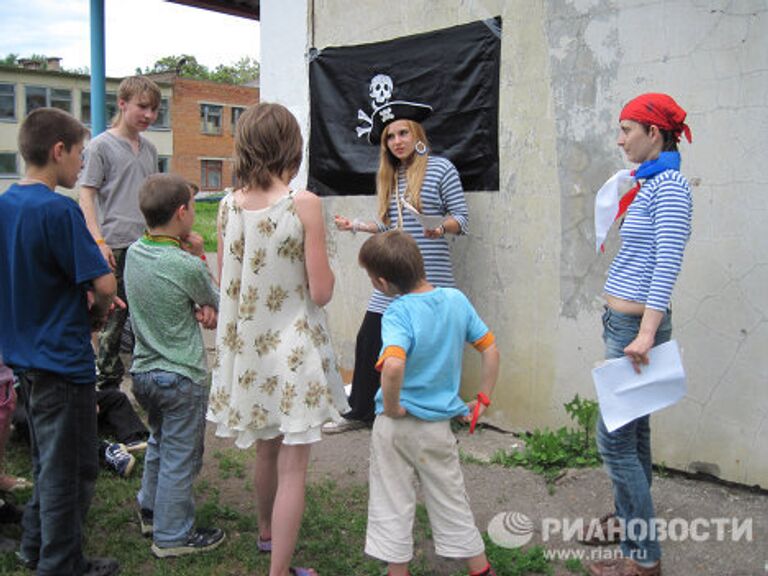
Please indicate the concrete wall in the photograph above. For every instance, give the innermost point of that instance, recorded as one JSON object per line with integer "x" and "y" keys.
{"x": 529, "y": 263}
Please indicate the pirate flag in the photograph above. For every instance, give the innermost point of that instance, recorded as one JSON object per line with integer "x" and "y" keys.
{"x": 453, "y": 71}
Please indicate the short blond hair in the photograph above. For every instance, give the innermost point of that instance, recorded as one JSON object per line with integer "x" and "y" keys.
{"x": 140, "y": 86}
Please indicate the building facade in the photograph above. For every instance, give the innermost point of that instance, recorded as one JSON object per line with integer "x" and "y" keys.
{"x": 529, "y": 261}
{"x": 22, "y": 90}
{"x": 194, "y": 131}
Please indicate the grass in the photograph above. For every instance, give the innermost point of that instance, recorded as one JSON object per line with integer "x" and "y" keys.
{"x": 332, "y": 538}
{"x": 205, "y": 223}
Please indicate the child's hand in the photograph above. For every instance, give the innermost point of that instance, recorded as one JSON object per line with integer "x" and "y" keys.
{"x": 207, "y": 316}
{"x": 467, "y": 418}
{"x": 194, "y": 244}
{"x": 399, "y": 412}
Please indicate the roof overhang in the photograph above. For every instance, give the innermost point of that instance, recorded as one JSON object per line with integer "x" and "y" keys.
{"x": 243, "y": 8}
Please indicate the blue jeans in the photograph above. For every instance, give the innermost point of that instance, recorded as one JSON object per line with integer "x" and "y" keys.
{"x": 176, "y": 408}
{"x": 626, "y": 451}
{"x": 62, "y": 429}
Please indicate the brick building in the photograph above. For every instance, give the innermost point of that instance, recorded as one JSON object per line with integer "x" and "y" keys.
{"x": 203, "y": 116}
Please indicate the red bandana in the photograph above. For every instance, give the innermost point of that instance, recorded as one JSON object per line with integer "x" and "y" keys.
{"x": 658, "y": 110}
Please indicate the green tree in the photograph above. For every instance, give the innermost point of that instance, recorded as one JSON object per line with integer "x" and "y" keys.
{"x": 10, "y": 60}
{"x": 187, "y": 66}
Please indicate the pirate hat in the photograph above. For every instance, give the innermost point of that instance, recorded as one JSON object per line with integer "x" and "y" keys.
{"x": 395, "y": 110}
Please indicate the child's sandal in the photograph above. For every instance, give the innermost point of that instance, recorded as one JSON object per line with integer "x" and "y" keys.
{"x": 302, "y": 572}
{"x": 264, "y": 545}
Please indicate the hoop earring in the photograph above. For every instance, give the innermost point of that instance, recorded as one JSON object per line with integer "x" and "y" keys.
{"x": 420, "y": 148}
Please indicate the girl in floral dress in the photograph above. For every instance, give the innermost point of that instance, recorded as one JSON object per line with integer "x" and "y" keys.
{"x": 275, "y": 380}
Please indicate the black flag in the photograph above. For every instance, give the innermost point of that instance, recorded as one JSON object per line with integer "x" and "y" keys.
{"x": 453, "y": 70}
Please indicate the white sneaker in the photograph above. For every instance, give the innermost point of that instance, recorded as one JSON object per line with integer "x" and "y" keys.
{"x": 343, "y": 426}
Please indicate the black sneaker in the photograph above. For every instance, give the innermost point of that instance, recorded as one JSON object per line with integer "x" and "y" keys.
{"x": 101, "y": 567}
{"x": 146, "y": 521}
{"x": 201, "y": 540}
{"x": 118, "y": 459}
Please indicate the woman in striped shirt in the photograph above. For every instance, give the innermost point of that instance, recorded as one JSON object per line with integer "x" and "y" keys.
{"x": 408, "y": 175}
{"x": 654, "y": 232}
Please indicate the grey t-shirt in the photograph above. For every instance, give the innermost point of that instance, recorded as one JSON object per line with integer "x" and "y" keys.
{"x": 163, "y": 284}
{"x": 117, "y": 173}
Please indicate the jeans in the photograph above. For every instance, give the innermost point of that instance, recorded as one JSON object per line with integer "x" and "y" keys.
{"x": 109, "y": 366}
{"x": 62, "y": 426}
{"x": 176, "y": 408}
{"x": 626, "y": 451}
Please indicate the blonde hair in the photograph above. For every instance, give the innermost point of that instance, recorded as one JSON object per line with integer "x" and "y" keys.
{"x": 140, "y": 86}
{"x": 386, "y": 177}
{"x": 267, "y": 143}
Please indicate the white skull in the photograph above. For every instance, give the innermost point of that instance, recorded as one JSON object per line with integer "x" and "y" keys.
{"x": 381, "y": 89}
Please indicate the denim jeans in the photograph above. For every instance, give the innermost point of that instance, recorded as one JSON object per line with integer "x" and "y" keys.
{"x": 176, "y": 408}
{"x": 62, "y": 427}
{"x": 626, "y": 451}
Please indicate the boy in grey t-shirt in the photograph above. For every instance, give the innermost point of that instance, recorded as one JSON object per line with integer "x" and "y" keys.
{"x": 170, "y": 291}
{"x": 117, "y": 162}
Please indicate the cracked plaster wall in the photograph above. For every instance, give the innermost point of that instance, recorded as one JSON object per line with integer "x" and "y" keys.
{"x": 529, "y": 263}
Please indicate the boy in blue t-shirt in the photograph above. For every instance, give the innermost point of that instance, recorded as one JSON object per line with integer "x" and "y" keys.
{"x": 56, "y": 288}
{"x": 423, "y": 334}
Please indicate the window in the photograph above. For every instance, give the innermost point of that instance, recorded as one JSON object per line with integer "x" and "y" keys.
{"x": 7, "y": 102}
{"x": 40, "y": 96}
{"x": 210, "y": 174}
{"x": 85, "y": 107}
{"x": 8, "y": 166}
{"x": 163, "y": 121}
{"x": 236, "y": 111}
{"x": 210, "y": 119}
{"x": 164, "y": 164}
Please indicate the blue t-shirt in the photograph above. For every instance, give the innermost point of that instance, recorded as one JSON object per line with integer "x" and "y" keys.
{"x": 431, "y": 329}
{"x": 47, "y": 257}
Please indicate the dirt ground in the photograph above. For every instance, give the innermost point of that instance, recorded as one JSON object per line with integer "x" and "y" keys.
{"x": 584, "y": 493}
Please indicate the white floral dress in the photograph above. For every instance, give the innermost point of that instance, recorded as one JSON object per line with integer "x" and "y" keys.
{"x": 274, "y": 367}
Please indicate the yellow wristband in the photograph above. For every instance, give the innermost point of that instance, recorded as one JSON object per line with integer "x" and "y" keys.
{"x": 100, "y": 241}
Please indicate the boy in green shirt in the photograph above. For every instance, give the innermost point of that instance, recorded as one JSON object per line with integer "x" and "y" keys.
{"x": 170, "y": 291}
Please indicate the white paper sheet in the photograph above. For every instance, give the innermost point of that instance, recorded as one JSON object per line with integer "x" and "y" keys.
{"x": 428, "y": 222}
{"x": 625, "y": 395}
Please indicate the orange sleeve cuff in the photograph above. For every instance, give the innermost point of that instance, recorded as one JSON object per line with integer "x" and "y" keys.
{"x": 484, "y": 342}
{"x": 390, "y": 352}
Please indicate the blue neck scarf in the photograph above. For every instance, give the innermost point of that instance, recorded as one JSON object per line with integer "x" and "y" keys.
{"x": 665, "y": 161}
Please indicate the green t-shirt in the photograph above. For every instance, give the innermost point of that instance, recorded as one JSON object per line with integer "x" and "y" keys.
{"x": 163, "y": 285}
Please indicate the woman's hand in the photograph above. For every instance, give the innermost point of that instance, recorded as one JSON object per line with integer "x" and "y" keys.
{"x": 637, "y": 351}
{"x": 438, "y": 232}
{"x": 344, "y": 224}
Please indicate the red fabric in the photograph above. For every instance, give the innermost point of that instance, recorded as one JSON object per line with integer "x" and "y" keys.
{"x": 626, "y": 200}
{"x": 658, "y": 110}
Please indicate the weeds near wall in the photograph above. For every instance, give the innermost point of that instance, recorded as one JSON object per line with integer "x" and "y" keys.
{"x": 549, "y": 452}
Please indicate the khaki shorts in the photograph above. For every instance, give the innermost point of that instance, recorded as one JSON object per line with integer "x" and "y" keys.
{"x": 403, "y": 450}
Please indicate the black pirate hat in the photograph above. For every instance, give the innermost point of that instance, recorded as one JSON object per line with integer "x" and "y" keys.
{"x": 396, "y": 110}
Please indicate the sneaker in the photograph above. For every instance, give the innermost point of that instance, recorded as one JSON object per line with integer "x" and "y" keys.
{"x": 343, "y": 426}
{"x": 28, "y": 563}
{"x": 10, "y": 514}
{"x": 101, "y": 567}
{"x": 201, "y": 540}
{"x": 119, "y": 460}
{"x": 146, "y": 521}
{"x": 136, "y": 446}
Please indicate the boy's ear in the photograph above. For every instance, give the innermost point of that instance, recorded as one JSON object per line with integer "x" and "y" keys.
{"x": 57, "y": 150}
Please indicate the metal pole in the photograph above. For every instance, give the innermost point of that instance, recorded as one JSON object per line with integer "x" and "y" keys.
{"x": 98, "y": 76}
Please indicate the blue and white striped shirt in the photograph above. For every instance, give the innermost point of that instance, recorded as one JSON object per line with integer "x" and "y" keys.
{"x": 654, "y": 234}
{"x": 441, "y": 194}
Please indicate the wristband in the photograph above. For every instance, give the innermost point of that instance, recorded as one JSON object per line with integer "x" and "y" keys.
{"x": 356, "y": 225}
{"x": 100, "y": 241}
{"x": 485, "y": 401}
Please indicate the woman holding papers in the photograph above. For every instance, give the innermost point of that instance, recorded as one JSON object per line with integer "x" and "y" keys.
{"x": 420, "y": 193}
{"x": 655, "y": 229}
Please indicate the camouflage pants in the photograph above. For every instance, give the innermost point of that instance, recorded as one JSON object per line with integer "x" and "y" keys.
{"x": 109, "y": 367}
